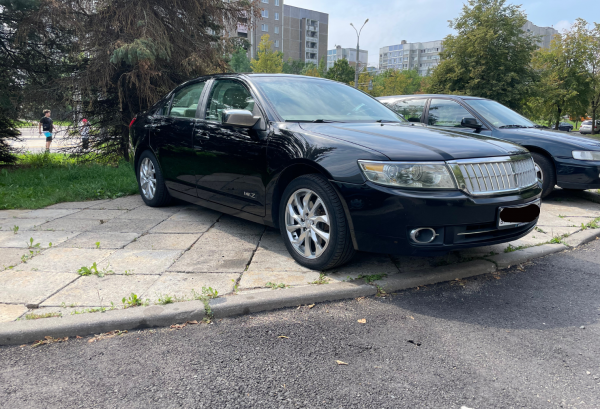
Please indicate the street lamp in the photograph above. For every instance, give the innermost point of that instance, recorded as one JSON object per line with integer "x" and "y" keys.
{"x": 357, "y": 51}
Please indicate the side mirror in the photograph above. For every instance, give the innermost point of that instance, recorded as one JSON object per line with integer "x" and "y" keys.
{"x": 239, "y": 117}
{"x": 470, "y": 123}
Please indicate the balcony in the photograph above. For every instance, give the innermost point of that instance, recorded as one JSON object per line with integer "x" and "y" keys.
{"x": 311, "y": 28}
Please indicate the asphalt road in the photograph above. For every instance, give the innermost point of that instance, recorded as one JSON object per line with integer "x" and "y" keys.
{"x": 510, "y": 341}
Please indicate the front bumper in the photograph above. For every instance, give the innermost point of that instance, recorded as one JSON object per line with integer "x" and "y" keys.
{"x": 382, "y": 218}
{"x": 577, "y": 174}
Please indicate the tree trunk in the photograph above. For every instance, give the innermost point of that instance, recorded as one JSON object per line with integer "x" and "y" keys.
{"x": 558, "y": 119}
{"x": 125, "y": 142}
{"x": 594, "y": 108}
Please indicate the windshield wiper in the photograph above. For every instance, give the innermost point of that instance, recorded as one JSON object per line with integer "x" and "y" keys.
{"x": 386, "y": 121}
{"x": 512, "y": 126}
{"x": 317, "y": 121}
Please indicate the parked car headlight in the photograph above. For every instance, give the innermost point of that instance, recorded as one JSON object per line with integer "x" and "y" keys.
{"x": 587, "y": 155}
{"x": 411, "y": 175}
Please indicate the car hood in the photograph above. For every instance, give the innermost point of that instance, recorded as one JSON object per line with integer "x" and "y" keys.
{"x": 557, "y": 136}
{"x": 405, "y": 142}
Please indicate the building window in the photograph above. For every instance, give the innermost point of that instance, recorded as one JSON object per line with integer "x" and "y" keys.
{"x": 277, "y": 2}
{"x": 276, "y": 43}
{"x": 265, "y": 13}
{"x": 276, "y": 29}
{"x": 265, "y": 1}
{"x": 276, "y": 16}
{"x": 265, "y": 27}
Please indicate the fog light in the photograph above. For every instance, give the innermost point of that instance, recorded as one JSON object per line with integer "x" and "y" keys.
{"x": 423, "y": 235}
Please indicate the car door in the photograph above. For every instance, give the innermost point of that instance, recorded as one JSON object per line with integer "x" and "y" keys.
{"x": 231, "y": 166}
{"x": 411, "y": 109}
{"x": 171, "y": 136}
{"x": 448, "y": 114}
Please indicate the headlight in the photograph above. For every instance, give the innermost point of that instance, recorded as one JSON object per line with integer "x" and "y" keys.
{"x": 411, "y": 175}
{"x": 587, "y": 155}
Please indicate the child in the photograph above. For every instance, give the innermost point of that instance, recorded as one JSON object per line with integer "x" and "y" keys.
{"x": 48, "y": 127}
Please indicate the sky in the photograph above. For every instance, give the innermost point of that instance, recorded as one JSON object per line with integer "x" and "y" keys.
{"x": 426, "y": 20}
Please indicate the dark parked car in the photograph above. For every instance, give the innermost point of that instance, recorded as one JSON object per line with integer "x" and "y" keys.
{"x": 332, "y": 168}
{"x": 563, "y": 126}
{"x": 569, "y": 161}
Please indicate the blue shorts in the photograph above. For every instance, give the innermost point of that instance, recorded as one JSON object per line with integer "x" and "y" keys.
{"x": 48, "y": 136}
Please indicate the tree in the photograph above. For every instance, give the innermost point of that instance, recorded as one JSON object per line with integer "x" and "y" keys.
{"x": 592, "y": 63}
{"x": 133, "y": 52}
{"x": 34, "y": 44}
{"x": 311, "y": 70}
{"x": 341, "y": 71}
{"x": 268, "y": 60}
{"x": 322, "y": 67}
{"x": 293, "y": 66}
{"x": 489, "y": 56}
{"x": 240, "y": 61}
{"x": 564, "y": 87}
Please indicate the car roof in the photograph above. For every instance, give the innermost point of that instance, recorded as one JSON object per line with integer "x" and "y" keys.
{"x": 256, "y": 75}
{"x": 431, "y": 96}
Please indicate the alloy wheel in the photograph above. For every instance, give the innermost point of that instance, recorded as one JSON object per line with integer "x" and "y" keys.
{"x": 148, "y": 178}
{"x": 307, "y": 223}
{"x": 539, "y": 172}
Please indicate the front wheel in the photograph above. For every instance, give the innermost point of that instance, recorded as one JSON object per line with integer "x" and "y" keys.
{"x": 313, "y": 224}
{"x": 544, "y": 170}
{"x": 151, "y": 182}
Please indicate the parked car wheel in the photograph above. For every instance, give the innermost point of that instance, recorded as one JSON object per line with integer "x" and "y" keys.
{"x": 313, "y": 224}
{"x": 545, "y": 172}
{"x": 151, "y": 181}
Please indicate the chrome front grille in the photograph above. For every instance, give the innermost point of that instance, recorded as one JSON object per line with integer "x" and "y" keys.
{"x": 489, "y": 176}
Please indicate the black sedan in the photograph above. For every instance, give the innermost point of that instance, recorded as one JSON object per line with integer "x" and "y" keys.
{"x": 569, "y": 161}
{"x": 563, "y": 126}
{"x": 332, "y": 168}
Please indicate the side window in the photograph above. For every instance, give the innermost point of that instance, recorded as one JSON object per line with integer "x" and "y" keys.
{"x": 410, "y": 109}
{"x": 448, "y": 113}
{"x": 185, "y": 101}
{"x": 228, "y": 94}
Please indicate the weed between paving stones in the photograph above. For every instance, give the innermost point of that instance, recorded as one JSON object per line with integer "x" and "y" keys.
{"x": 33, "y": 316}
{"x": 274, "y": 286}
{"x": 93, "y": 270}
{"x": 321, "y": 280}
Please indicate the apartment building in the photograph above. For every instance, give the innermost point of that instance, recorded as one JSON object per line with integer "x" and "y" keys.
{"x": 424, "y": 57}
{"x": 349, "y": 54}
{"x": 305, "y": 34}
{"x": 270, "y": 22}
{"x": 544, "y": 34}
{"x": 410, "y": 56}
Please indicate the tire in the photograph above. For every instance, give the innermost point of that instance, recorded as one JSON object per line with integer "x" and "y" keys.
{"x": 151, "y": 181}
{"x": 316, "y": 196}
{"x": 546, "y": 172}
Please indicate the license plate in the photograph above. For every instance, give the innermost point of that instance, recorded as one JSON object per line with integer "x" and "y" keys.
{"x": 515, "y": 216}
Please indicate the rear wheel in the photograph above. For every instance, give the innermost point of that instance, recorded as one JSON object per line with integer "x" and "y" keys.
{"x": 313, "y": 224}
{"x": 151, "y": 182}
{"x": 544, "y": 170}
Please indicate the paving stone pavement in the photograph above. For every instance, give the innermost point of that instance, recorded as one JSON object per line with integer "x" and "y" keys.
{"x": 176, "y": 251}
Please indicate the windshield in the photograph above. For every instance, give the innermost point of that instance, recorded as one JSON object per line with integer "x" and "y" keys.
{"x": 499, "y": 115}
{"x": 304, "y": 99}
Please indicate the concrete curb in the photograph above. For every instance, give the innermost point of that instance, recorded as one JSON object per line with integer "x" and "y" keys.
{"x": 22, "y": 332}
{"x": 582, "y": 237}
{"x": 506, "y": 260}
{"x": 437, "y": 275}
{"x": 292, "y": 297}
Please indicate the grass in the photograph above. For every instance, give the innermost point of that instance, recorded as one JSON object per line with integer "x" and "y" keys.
{"x": 275, "y": 286}
{"x": 32, "y": 316}
{"x": 44, "y": 179}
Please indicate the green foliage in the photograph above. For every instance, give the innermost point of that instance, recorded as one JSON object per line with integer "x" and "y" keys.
{"x": 268, "y": 61}
{"x": 341, "y": 71}
{"x": 275, "y": 286}
{"x": 311, "y": 70}
{"x": 93, "y": 270}
{"x": 564, "y": 84}
{"x": 133, "y": 301}
{"x": 45, "y": 179}
{"x": 141, "y": 49}
{"x": 240, "y": 61}
{"x": 33, "y": 316}
{"x": 369, "y": 278}
{"x": 488, "y": 57}
{"x": 293, "y": 66}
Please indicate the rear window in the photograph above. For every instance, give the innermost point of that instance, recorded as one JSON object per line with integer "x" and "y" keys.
{"x": 586, "y": 123}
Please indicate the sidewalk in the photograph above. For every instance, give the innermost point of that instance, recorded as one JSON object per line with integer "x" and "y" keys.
{"x": 172, "y": 253}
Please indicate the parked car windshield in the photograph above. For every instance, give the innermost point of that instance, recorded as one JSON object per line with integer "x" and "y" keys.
{"x": 304, "y": 99}
{"x": 499, "y": 115}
